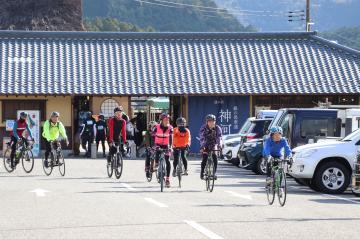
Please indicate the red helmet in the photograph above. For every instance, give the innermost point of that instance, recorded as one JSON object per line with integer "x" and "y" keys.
{"x": 164, "y": 116}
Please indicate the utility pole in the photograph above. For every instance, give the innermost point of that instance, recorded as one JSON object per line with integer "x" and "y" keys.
{"x": 308, "y": 23}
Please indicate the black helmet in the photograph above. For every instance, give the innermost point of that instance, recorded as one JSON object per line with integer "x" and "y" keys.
{"x": 117, "y": 109}
{"x": 23, "y": 115}
{"x": 88, "y": 114}
{"x": 101, "y": 116}
{"x": 210, "y": 117}
{"x": 181, "y": 121}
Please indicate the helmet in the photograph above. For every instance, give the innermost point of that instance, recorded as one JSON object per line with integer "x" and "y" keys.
{"x": 276, "y": 129}
{"x": 117, "y": 109}
{"x": 88, "y": 114}
{"x": 152, "y": 124}
{"x": 210, "y": 117}
{"x": 55, "y": 114}
{"x": 163, "y": 116}
{"x": 181, "y": 121}
{"x": 23, "y": 115}
{"x": 101, "y": 116}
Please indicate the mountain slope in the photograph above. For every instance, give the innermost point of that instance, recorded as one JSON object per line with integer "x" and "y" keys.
{"x": 164, "y": 16}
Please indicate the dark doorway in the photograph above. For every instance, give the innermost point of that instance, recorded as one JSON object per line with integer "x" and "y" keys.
{"x": 80, "y": 104}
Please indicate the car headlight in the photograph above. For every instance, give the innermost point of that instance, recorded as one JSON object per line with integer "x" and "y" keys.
{"x": 305, "y": 153}
{"x": 232, "y": 144}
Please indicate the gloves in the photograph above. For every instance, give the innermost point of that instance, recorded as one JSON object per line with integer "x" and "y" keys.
{"x": 67, "y": 142}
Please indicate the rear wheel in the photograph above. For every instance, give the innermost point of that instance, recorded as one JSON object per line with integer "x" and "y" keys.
{"x": 119, "y": 168}
{"x": 161, "y": 171}
{"x": 7, "y": 160}
{"x": 61, "y": 164}
{"x": 48, "y": 164}
{"x": 261, "y": 166}
{"x": 27, "y": 161}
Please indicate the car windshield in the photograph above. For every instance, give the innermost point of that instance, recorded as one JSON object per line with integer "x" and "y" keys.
{"x": 245, "y": 127}
{"x": 259, "y": 127}
{"x": 276, "y": 119}
{"x": 352, "y": 136}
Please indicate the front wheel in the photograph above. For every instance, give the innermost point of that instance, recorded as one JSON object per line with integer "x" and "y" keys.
{"x": 7, "y": 161}
{"x": 210, "y": 178}
{"x": 282, "y": 190}
{"x": 161, "y": 171}
{"x": 179, "y": 174}
{"x": 270, "y": 191}
{"x": 28, "y": 161}
{"x": 332, "y": 177}
{"x": 61, "y": 164}
{"x": 48, "y": 164}
{"x": 119, "y": 168}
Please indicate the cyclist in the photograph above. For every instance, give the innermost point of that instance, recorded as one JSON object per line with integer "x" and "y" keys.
{"x": 117, "y": 133}
{"x": 273, "y": 147}
{"x": 182, "y": 139}
{"x": 52, "y": 129}
{"x": 163, "y": 133}
{"x": 17, "y": 134}
{"x": 210, "y": 137}
{"x": 149, "y": 143}
{"x": 100, "y": 133}
{"x": 87, "y": 133}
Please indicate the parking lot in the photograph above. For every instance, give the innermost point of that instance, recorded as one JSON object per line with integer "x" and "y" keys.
{"x": 87, "y": 204}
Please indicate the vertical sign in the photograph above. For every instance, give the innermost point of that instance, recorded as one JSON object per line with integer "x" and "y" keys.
{"x": 34, "y": 124}
{"x": 230, "y": 111}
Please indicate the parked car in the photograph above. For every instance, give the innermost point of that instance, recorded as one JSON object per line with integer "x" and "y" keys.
{"x": 300, "y": 126}
{"x": 326, "y": 166}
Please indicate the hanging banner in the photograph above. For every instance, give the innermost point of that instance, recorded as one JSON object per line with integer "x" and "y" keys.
{"x": 9, "y": 124}
{"x": 230, "y": 111}
{"x": 34, "y": 124}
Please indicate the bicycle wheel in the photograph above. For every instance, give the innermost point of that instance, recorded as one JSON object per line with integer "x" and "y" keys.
{"x": 110, "y": 166}
{"x": 149, "y": 176}
{"x": 119, "y": 168}
{"x": 179, "y": 173}
{"x": 61, "y": 164}
{"x": 7, "y": 160}
{"x": 161, "y": 171}
{"x": 211, "y": 176}
{"x": 48, "y": 165}
{"x": 281, "y": 191}
{"x": 27, "y": 161}
{"x": 270, "y": 191}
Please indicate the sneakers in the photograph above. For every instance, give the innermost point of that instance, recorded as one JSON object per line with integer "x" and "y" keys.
{"x": 202, "y": 176}
{"x": 174, "y": 173}
{"x": 215, "y": 177}
{"x": 185, "y": 173}
{"x": 167, "y": 182}
{"x": 148, "y": 174}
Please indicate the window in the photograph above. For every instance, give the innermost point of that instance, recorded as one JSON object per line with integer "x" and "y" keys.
{"x": 286, "y": 125}
{"x": 107, "y": 107}
{"x": 10, "y": 108}
{"x": 317, "y": 127}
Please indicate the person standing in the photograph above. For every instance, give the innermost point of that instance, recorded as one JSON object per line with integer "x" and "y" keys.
{"x": 100, "y": 133}
{"x": 87, "y": 133}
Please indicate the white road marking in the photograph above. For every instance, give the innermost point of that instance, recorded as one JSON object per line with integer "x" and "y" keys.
{"x": 203, "y": 230}
{"x": 159, "y": 204}
{"x": 128, "y": 186}
{"x": 328, "y": 195}
{"x": 39, "y": 192}
{"x": 238, "y": 195}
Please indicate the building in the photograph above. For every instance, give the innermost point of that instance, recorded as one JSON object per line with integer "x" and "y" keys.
{"x": 229, "y": 74}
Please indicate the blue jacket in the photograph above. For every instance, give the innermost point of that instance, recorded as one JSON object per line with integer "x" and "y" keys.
{"x": 274, "y": 149}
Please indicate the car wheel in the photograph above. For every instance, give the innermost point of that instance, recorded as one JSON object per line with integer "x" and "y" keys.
{"x": 332, "y": 178}
{"x": 261, "y": 166}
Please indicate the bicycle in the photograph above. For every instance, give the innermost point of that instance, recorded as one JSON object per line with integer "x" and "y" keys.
{"x": 180, "y": 169}
{"x": 56, "y": 158}
{"x": 278, "y": 181}
{"x": 152, "y": 164}
{"x": 22, "y": 152}
{"x": 116, "y": 163}
{"x": 209, "y": 174}
{"x": 161, "y": 171}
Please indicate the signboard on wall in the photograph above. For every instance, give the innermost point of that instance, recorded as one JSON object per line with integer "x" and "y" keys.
{"x": 34, "y": 124}
{"x": 230, "y": 111}
{"x": 9, "y": 124}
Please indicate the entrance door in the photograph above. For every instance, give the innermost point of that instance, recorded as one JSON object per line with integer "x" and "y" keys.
{"x": 80, "y": 104}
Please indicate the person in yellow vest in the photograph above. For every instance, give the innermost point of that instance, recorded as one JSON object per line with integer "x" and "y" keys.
{"x": 52, "y": 130}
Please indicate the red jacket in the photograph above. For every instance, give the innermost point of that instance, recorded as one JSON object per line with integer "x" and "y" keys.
{"x": 111, "y": 126}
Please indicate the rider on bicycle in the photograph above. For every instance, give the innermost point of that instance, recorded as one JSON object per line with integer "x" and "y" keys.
{"x": 117, "y": 133}
{"x": 182, "y": 139}
{"x": 149, "y": 143}
{"x": 273, "y": 147}
{"x": 210, "y": 137}
{"x": 19, "y": 127}
{"x": 52, "y": 129}
{"x": 163, "y": 133}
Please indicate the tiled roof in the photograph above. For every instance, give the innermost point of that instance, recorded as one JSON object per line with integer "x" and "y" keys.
{"x": 38, "y": 63}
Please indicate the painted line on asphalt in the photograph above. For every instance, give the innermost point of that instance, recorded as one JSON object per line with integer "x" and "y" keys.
{"x": 328, "y": 195}
{"x": 128, "y": 186}
{"x": 203, "y": 230}
{"x": 238, "y": 195}
{"x": 40, "y": 192}
{"x": 159, "y": 204}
